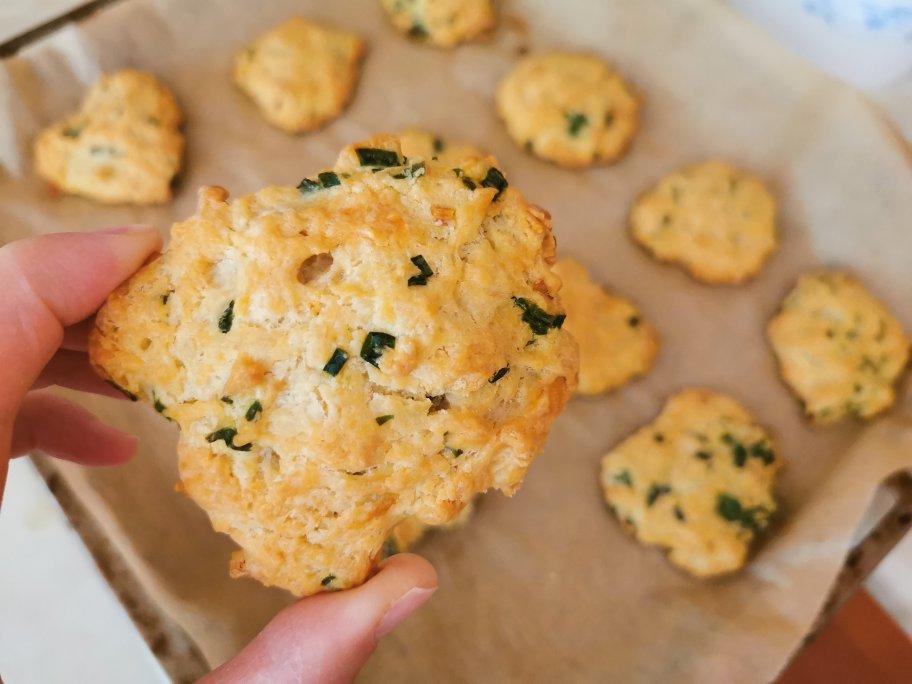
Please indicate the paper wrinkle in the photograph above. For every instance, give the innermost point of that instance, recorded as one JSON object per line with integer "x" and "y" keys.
{"x": 544, "y": 586}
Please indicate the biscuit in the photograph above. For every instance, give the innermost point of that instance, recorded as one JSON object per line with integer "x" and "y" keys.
{"x": 122, "y": 146}
{"x": 839, "y": 349}
{"x": 570, "y": 109}
{"x": 381, "y": 343}
{"x": 411, "y": 531}
{"x": 444, "y": 23}
{"x": 300, "y": 74}
{"x": 615, "y": 343}
{"x": 716, "y": 222}
{"x": 696, "y": 482}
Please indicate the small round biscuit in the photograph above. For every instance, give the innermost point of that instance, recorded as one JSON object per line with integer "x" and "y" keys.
{"x": 839, "y": 349}
{"x": 696, "y": 482}
{"x": 122, "y": 146}
{"x": 715, "y": 221}
{"x": 380, "y": 343}
{"x": 444, "y": 23}
{"x": 300, "y": 74}
{"x": 615, "y": 343}
{"x": 571, "y": 109}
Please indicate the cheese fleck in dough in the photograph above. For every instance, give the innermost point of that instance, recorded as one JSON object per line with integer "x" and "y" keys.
{"x": 696, "y": 482}
{"x": 839, "y": 349}
{"x": 381, "y": 343}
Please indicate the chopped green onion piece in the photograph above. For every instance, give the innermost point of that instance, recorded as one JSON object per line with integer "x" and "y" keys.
{"x": 255, "y": 408}
{"x": 372, "y": 156}
{"x": 374, "y": 344}
{"x": 226, "y": 320}
{"x": 499, "y": 374}
{"x": 227, "y": 434}
{"x": 495, "y": 179}
{"x": 384, "y": 419}
{"x": 328, "y": 179}
{"x": 228, "y": 400}
{"x": 336, "y": 361}
{"x": 425, "y": 271}
{"x": 624, "y": 478}
{"x": 656, "y": 491}
{"x": 762, "y": 451}
{"x": 575, "y": 123}
{"x": 731, "y": 509}
{"x": 537, "y": 318}
{"x": 739, "y": 453}
{"x": 326, "y": 581}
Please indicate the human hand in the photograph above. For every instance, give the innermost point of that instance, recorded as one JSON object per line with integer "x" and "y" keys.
{"x": 52, "y": 285}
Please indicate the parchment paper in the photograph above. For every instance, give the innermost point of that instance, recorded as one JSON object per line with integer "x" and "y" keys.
{"x": 543, "y": 587}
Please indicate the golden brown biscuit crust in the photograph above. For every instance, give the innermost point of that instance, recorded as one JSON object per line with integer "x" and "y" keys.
{"x": 615, "y": 342}
{"x": 300, "y": 74}
{"x": 696, "y": 482}
{"x": 122, "y": 146}
{"x": 328, "y": 382}
{"x": 839, "y": 349}
{"x": 716, "y": 222}
{"x": 568, "y": 108}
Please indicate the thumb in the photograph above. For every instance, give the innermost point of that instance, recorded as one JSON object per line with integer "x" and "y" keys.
{"x": 327, "y": 638}
{"x": 50, "y": 282}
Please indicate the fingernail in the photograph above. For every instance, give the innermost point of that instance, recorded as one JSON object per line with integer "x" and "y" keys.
{"x": 120, "y": 230}
{"x": 401, "y": 609}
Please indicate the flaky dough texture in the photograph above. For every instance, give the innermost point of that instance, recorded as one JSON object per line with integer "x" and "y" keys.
{"x": 383, "y": 342}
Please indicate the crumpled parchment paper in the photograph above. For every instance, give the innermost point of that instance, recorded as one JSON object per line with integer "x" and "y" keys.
{"x": 545, "y": 586}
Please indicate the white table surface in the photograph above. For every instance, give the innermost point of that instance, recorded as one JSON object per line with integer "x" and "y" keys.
{"x": 59, "y": 620}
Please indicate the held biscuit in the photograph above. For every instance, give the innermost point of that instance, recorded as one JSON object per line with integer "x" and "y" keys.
{"x": 122, "y": 146}
{"x": 716, "y": 222}
{"x": 381, "y": 343}
{"x": 615, "y": 343}
{"x": 444, "y": 23}
{"x": 696, "y": 482}
{"x": 839, "y": 349}
{"x": 300, "y": 74}
{"x": 568, "y": 108}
